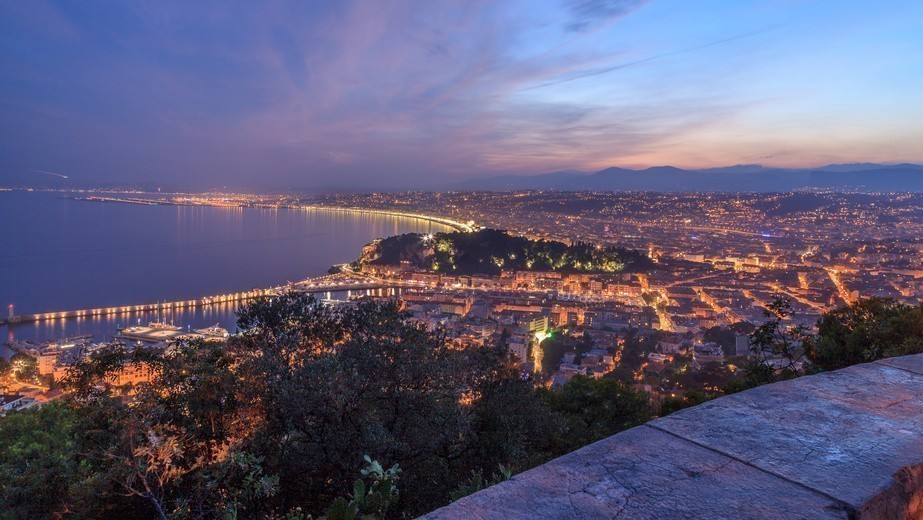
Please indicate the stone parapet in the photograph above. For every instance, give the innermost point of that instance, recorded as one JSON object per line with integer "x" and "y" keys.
{"x": 844, "y": 444}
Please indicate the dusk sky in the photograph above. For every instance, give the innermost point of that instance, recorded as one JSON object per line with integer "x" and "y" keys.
{"x": 399, "y": 94}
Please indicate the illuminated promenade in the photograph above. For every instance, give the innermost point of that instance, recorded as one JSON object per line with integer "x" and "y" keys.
{"x": 329, "y": 283}
{"x": 466, "y": 227}
{"x": 454, "y": 224}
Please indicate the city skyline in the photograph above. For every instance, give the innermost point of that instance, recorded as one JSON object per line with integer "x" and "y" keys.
{"x": 501, "y": 259}
{"x": 406, "y": 94}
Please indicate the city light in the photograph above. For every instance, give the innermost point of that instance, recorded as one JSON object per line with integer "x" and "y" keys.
{"x": 425, "y": 245}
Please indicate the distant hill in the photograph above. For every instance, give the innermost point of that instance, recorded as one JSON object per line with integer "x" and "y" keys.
{"x": 542, "y": 181}
{"x": 745, "y": 177}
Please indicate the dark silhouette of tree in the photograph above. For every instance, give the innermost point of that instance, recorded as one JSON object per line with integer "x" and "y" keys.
{"x": 688, "y": 398}
{"x": 777, "y": 349}
{"x": 597, "y": 408}
{"x": 864, "y": 331}
{"x": 336, "y": 385}
{"x": 277, "y": 422}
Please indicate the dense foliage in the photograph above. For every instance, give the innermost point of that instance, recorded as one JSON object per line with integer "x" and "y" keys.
{"x": 865, "y": 331}
{"x": 553, "y": 348}
{"x": 280, "y": 421}
{"x": 36, "y": 461}
{"x": 301, "y": 413}
{"x": 860, "y": 332}
{"x": 488, "y": 251}
{"x": 597, "y": 407}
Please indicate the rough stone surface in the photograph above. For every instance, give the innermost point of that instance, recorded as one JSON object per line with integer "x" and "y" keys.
{"x": 910, "y": 363}
{"x": 643, "y": 473}
{"x": 843, "y": 433}
{"x": 903, "y": 499}
{"x": 845, "y": 444}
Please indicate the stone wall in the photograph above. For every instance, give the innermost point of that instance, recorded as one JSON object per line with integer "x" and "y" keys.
{"x": 845, "y": 444}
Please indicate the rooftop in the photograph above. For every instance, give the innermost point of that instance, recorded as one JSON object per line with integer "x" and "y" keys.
{"x": 844, "y": 444}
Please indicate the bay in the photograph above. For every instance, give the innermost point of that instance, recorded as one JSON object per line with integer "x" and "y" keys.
{"x": 59, "y": 254}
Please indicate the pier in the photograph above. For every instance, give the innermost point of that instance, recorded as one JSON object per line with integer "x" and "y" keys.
{"x": 329, "y": 283}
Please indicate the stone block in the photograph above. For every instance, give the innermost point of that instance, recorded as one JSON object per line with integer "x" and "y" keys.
{"x": 643, "y": 473}
{"x": 843, "y": 433}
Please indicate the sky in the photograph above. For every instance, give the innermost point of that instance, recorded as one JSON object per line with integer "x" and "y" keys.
{"x": 399, "y": 94}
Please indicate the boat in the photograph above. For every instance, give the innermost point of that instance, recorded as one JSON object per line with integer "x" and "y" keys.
{"x": 154, "y": 332}
{"x": 215, "y": 331}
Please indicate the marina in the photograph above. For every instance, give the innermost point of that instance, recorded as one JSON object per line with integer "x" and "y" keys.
{"x": 33, "y": 349}
{"x": 323, "y": 284}
{"x": 160, "y": 332}
{"x": 194, "y": 264}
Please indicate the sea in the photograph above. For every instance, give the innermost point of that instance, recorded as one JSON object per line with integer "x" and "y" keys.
{"x": 59, "y": 254}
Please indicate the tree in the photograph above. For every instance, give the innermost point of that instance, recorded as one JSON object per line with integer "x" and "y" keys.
{"x": 776, "y": 347}
{"x": 334, "y": 385}
{"x": 511, "y": 427}
{"x": 689, "y": 398}
{"x": 597, "y": 408}
{"x": 274, "y": 423}
{"x": 489, "y": 251}
{"x": 864, "y": 331}
{"x": 724, "y": 337}
{"x": 37, "y": 461}
{"x": 281, "y": 416}
{"x": 774, "y": 340}
{"x": 553, "y": 349}
{"x": 635, "y": 350}
{"x": 23, "y": 367}
{"x": 174, "y": 449}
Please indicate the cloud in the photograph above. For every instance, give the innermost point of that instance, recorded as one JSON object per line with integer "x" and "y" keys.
{"x": 587, "y": 14}
{"x": 369, "y": 94}
{"x": 597, "y": 71}
{"x": 383, "y": 93}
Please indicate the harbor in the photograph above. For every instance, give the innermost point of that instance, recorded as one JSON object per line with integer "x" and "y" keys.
{"x": 160, "y": 332}
{"x": 169, "y": 321}
{"x": 193, "y": 264}
{"x": 323, "y": 284}
{"x": 33, "y": 349}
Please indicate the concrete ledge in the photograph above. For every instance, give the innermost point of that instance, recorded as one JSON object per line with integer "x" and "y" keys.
{"x": 845, "y": 444}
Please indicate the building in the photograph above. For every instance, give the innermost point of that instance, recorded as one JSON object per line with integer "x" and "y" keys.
{"x": 11, "y": 402}
{"x": 742, "y": 345}
{"x": 538, "y": 325}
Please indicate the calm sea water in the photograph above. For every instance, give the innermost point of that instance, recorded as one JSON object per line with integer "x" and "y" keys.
{"x": 60, "y": 254}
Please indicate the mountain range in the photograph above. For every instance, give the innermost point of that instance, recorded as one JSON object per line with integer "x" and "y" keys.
{"x": 866, "y": 177}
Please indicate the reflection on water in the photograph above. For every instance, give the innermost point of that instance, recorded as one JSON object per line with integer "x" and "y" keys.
{"x": 60, "y": 254}
{"x": 103, "y": 328}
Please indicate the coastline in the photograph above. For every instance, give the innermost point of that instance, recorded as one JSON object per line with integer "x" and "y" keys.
{"x": 466, "y": 227}
{"x": 14, "y": 320}
{"x": 458, "y": 226}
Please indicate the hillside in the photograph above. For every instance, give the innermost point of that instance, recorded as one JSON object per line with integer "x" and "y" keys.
{"x": 489, "y": 251}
